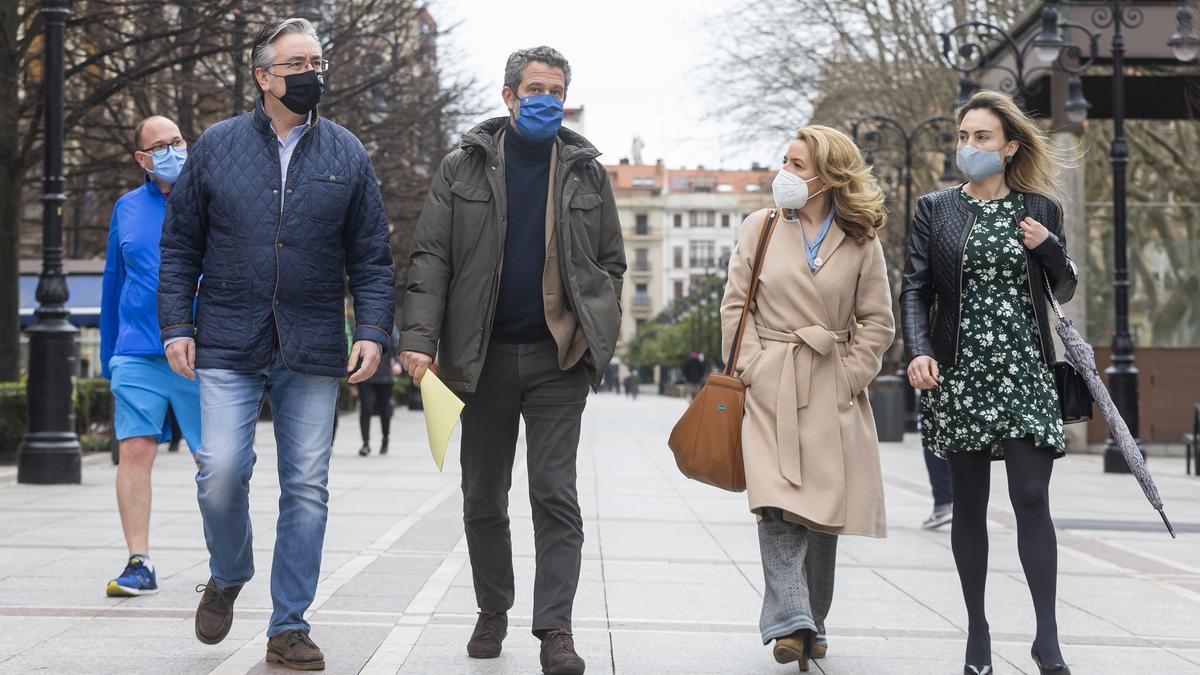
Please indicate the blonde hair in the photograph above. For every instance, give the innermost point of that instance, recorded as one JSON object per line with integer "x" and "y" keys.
{"x": 857, "y": 197}
{"x": 1036, "y": 167}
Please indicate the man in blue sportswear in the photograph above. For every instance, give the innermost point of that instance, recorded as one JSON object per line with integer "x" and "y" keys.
{"x": 131, "y": 353}
{"x": 275, "y": 207}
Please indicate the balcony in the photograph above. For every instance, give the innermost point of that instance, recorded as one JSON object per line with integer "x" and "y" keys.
{"x": 641, "y": 266}
{"x": 641, "y": 300}
{"x": 703, "y": 263}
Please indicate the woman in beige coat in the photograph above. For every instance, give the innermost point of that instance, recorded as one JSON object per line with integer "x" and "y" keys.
{"x": 819, "y": 326}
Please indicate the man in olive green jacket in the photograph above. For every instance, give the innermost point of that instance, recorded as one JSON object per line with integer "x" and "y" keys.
{"x": 514, "y": 284}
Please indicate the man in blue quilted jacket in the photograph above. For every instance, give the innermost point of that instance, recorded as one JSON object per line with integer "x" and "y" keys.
{"x": 273, "y": 208}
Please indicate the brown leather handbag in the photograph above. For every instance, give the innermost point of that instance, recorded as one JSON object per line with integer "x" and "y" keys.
{"x": 707, "y": 440}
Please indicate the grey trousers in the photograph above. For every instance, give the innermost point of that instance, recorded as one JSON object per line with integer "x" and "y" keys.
{"x": 524, "y": 381}
{"x": 798, "y": 567}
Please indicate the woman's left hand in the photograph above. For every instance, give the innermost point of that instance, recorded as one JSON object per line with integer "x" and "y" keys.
{"x": 1034, "y": 233}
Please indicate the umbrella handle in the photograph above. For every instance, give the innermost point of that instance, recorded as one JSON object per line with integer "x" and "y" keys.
{"x": 1167, "y": 523}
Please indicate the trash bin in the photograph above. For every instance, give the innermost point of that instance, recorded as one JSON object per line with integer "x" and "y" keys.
{"x": 887, "y": 402}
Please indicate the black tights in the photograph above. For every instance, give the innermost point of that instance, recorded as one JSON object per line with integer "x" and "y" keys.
{"x": 1029, "y": 470}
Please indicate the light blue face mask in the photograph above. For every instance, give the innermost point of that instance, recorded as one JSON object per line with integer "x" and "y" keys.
{"x": 168, "y": 162}
{"x": 978, "y": 164}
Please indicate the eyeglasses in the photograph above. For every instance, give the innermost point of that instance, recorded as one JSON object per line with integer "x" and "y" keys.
{"x": 178, "y": 144}
{"x": 298, "y": 65}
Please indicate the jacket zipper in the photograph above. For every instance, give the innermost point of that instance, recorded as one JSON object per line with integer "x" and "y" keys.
{"x": 962, "y": 263}
{"x": 1037, "y": 323}
{"x": 278, "y": 231}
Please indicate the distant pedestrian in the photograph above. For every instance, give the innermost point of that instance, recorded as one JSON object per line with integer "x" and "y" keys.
{"x": 815, "y": 340}
{"x": 131, "y": 355}
{"x": 275, "y": 207}
{"x": 522, "y": 323}
{"x": 941, "y": 486}
{"x": 980, "y": 346}
{"x": 694, "y": 372}
{"x": 375, "y": 399}
{"x": 632, "y": 384}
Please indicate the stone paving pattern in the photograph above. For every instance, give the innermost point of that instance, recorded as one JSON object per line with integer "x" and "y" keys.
{"x": 671, "y": 580}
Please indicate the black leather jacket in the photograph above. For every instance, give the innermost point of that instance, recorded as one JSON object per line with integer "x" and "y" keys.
{"x": 931, "y": 297}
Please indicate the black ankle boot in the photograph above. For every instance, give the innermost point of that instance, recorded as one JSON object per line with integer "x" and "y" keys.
{"x": 383, "y": 446}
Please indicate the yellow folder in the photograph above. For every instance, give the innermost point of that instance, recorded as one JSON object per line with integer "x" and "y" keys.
{"x": 442, "y": 409}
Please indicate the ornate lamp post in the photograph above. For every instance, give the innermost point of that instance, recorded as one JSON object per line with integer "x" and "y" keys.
{"x": 1049, "y": 47}
{"x": 965, "y": 48}
{"x": 50, "y": 452}
{"x": 872, "y": 134}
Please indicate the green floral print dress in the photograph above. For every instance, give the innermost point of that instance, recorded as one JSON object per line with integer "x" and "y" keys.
{"x": 999, "y": 387}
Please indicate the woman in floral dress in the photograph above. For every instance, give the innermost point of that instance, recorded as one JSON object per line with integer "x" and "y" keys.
{"x": 974, "y": 309}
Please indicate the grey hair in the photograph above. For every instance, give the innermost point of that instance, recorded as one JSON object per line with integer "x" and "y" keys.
{"x": 515, "y": 68}
{"x": 263, "y": 54}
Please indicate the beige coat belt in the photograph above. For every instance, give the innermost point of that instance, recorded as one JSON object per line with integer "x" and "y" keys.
{"x": 794, "y": 386}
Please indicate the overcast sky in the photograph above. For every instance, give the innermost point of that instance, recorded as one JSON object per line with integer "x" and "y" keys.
{"x": 636, "y": 69}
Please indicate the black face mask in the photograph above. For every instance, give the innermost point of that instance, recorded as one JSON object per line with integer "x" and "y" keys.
{"x": 304, "y": 91}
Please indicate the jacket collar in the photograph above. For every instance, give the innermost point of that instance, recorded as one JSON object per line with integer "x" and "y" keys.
{"x": 571, "y": 146}
{"x": 262, "y": 121}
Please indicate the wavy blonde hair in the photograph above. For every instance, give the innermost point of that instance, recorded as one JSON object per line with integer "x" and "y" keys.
{"x": 1036, "y": 167}
{"x": 856, "y": 194}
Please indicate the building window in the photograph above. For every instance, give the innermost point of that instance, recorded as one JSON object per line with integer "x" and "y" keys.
{"x": 724, "y": 220}
{"x": 678, "y": 220}
{"x": 641, "y": 295}
{"x": 641, "y": 260}
{"x": 640, "y": 323}
{"x": 643, "y": 182}
{"x": 642, "y": 225}
{"x": 678, "y": 289}
{"x": 752, "y": 187}
{"x": 701, "y": 254}
{"x": 724, "y": 187}
{"x": 678, "y": 257}
{"x": 702, "y": 218}
{"x": 725, "y": 253}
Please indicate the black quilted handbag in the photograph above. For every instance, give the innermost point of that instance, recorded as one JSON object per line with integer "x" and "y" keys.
{"x": 1074, "y": 397}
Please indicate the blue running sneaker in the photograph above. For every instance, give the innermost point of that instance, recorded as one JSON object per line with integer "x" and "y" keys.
{"x": 137, "y": 579}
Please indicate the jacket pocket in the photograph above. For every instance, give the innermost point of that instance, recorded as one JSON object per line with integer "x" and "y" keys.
{"x": 328, "y": 198}
{"x": 585, "y": 220}
{"x": 222, "y": 312}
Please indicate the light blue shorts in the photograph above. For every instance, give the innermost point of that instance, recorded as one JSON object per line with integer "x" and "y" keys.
{"x": 143, "y": 386}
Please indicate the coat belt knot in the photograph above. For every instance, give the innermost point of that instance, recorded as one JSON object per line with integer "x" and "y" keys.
{"x": 794, "y": 385}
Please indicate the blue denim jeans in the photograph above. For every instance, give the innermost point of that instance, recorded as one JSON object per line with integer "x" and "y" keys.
{"x": 303, "y": 411}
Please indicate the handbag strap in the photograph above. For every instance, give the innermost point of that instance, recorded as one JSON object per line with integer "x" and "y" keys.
{"x": 756, "y": 271}
{"x": 1053, "y": 300}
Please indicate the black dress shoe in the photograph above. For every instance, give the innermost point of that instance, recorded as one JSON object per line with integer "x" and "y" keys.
{"x": 1051, "y": 669}
{"x": 977, "y": 670}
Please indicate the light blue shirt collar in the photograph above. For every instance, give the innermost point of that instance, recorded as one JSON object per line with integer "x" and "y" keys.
{"x": 811, "y": 249}
{"x": 287, "y": 147}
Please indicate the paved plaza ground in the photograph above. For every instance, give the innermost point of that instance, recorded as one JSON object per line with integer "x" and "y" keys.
{"x": 671, "y": 579}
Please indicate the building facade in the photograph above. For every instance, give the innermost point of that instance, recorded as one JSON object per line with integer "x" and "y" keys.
{"x": 680, "y": 227}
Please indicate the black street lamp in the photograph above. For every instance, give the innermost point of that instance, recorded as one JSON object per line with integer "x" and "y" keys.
{"x": 1185, "y": 43}
{"x": 50, "y": 452}
{"x": 968, "y": 46}
{"x": 871, "y": 134}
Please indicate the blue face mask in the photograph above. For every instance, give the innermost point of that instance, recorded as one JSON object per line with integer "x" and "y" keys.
{"x": 978, "y": 164}
{"x": 539, "y": 117}
{"x": 168, "y": 162}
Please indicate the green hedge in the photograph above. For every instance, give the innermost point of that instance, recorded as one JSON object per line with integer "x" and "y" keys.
{"x": 93, "y": 415}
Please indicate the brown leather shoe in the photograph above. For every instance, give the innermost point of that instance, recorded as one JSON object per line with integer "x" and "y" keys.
{"x": 797, "y": 647}
{"x": 490, "y": 630}
{"x": 293, "y": 649}
{"x": 558, "y": 654}
{"x": 214, "y": 616}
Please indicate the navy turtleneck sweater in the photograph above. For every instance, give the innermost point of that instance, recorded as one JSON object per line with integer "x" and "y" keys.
{"x": 520, "y": 311}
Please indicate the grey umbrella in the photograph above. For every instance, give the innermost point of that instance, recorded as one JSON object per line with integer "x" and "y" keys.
{"x": 1083, "y": 359}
